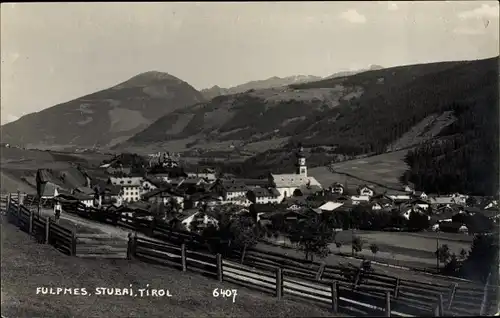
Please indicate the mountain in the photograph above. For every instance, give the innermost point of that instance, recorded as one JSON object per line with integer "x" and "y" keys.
{"x": 103, "y": 118}
{"x": 215, "y": 91}
{"x": 366, "y": 113}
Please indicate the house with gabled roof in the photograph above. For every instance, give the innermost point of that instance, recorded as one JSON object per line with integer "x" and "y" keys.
{"x": 365, "y": 190}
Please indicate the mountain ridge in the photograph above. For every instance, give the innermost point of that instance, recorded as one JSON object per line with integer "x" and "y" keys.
{"x": 275, "y": 81}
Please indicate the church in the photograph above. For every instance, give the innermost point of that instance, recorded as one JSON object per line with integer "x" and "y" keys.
{"x": 287, "y": 184}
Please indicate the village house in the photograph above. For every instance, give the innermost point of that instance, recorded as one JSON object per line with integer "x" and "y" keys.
{"x": 286, "y": 184}
{"x": 76, "y": 197}
{"x": 164, "y": 195}
{"x": 421, "y": 204}
{"x": 131, "y": 187}
{"x": 201, "y": 219}
{"x": 383, "y": 200}
{"x": 231, "y": 192}
{"x": 263, "y": 195}
{"x": 365, "y": 191}
{"x": 357, "y": 199}
{"x": 196, "y": 200}
{"x": 330, "y": 206}
{"x": 337, "y": 188}
{"x": 108, "y": 194}
{"x": 398, "y": 196}
{"x": 419, "y": 195}
{"x": 208, "y": 174}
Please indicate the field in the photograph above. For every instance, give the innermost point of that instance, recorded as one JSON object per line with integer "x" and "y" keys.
{"x": 415, "y": 250}
{"x": 37, "y": 265}
{"x": 18, "y": 164}
{"x": 383, "y": 170}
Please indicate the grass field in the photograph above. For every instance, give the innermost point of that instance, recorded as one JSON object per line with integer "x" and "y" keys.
{"x": 403, "y": 249}
{"x": 23, "y": 163}
{"x": 383, "y": 169}
{"x": 27, "y": 265}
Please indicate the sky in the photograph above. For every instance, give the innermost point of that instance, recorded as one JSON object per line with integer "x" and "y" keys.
{"x": 55, "y": 52}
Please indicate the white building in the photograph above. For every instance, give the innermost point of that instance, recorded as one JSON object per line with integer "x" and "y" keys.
{"x": 286, "y": 184}
{"x": 131, "y": 187}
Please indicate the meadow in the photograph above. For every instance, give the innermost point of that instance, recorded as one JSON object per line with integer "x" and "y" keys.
{"x": 27, "y": 265}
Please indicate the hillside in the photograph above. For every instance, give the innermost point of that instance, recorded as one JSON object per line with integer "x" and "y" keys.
{"x": 103, "y": 118}
{"x": 359, "y": 114}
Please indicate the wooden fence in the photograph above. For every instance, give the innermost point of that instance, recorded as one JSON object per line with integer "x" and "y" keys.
{"x": 46, "y": 230}
{"x": 458, "y": 298}
{"x": 277, "y": 282}
{"x": 100, "y": 246}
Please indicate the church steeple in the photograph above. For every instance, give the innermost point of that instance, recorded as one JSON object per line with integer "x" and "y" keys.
{"x": 301, "y": 162}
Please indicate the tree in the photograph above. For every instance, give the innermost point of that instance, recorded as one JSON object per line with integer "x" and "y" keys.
{"x": 443, "y": 253}
{"x": 339, "y": 245}
{"x": 463, "y": 254}
{"x": 312, "y": 236}
{"x": 374, "y": 248}
{"x": 483, "y": 258}
{"x": 245, "y": 233}
{"x": 418, "y": 221}
{"x": 471, "y": 201}
{"x": 357, "y": 244}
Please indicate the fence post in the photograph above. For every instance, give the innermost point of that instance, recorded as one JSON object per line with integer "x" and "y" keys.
{"x": 31, "y": 222}
{"x": 183, "y": 257}
{"x": 130, "y": 246}
{"x": 7, "y": 208}
{"x": 219, "y": 267}
{"x": 485, "y": 296}
{"x": 73, "y": 243}
{"x": 453, "y": 289}
{"x": 388, "y": 304}
{"x": 279, "y": 283}
{"x": 134, "y": 244}
{"x": 47, "y": 229}
{"x": 439, "y": 306}
{"x": 396, "y": 288}
{"x": 321, "y": 269}
{"x": 335, "y": 297}
{"x": 18, "y": 210}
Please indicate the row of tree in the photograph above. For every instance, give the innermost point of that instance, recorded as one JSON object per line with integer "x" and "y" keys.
{"x": 477, "y": 264}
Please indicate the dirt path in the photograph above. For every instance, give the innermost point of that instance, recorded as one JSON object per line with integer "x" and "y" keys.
{"x": 112, "y": 230}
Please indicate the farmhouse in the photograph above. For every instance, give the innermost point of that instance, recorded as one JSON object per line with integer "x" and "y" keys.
{"x": 231, "y": 192}
{"x": 330, "y": 206}
{"x": 263, "y": 195}
{"x": 108, "y": 194}
{"x": 337, "y": 188}
{"x": 200, "y": 219}
{"x": 207, "y": 174}
{"x": 66, "y": 197}
{"x": 165, "y": 195}
{"x": 419, "y": 203}
{"x": 286, "y": 184}
{"x": 365, "y": 190}
{"x": 131, "y": 187}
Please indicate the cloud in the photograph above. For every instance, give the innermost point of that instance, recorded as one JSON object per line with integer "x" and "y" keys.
{"x": 353, "y": 16}
{"x": 469, "y": 31}
{"x": 483, "y": 12}
{"x": 392, "y": 6}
